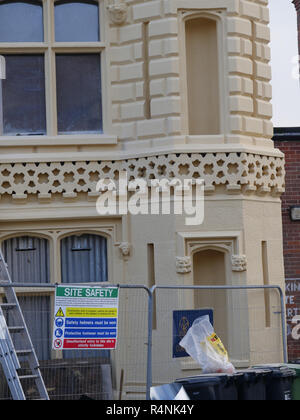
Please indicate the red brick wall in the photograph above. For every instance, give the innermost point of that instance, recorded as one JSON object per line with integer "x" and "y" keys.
{"x": 291, "y": 240}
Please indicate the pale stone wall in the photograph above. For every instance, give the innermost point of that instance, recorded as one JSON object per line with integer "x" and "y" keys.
{"x": 48, "y": 185}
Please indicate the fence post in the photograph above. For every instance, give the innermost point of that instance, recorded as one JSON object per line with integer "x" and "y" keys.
{"x": 283, "y": 325}
{"x": 149, "y": 348}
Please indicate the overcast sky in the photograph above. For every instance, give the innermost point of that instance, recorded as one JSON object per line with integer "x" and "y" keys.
{"x": 284, "y": 47}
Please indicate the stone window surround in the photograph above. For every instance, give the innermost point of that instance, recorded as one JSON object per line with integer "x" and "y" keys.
{"x": 56, "y": 234}
{"x": 50, "y": 48}
{"x": 231, "y": 244}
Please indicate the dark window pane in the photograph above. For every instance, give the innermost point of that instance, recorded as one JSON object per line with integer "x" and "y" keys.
{"x": 21, "y": 22}
{"x": 37, "y": 314}
{"x": 27, "y": 259}
{"x": 24, "y": 109}
{"x": 76, "y": 21}
{"x": 84, "y": 259}
{"x": 78, "y": 93}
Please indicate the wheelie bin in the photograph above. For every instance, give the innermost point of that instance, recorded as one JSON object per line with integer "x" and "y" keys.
{"x": 210, "y": 387}
{"x": 251, "y": 384}
{"x": 279, "y": 382}
{"x": 296, "y": 383}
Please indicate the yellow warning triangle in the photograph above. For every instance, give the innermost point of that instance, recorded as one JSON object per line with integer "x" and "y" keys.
{"x": 60, "y": 312}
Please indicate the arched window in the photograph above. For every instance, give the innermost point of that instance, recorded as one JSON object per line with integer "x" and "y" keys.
{"x": 28, "y": 262}
{"x": 77, "y": 21}
{"x": 202, "y": 69}
{"x": 28, "y": 259}
{"x": 210, "y": 270}
{"x": 21, "y": 21}
{"x": 84, "y": 259}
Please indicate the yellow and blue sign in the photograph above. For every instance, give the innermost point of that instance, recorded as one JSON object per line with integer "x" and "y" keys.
{"x": 85, "y": 318}
{"x": 182, "y": 321}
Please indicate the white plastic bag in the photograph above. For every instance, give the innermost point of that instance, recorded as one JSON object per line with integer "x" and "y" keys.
{"x": 205, "y": 347}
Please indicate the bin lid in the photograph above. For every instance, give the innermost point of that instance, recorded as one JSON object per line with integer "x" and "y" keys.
{"x": 295, "y": 367}
{"x": 205, "y": 379}
{"x": 278, "y": 370}
{"x": 251, "y": 375}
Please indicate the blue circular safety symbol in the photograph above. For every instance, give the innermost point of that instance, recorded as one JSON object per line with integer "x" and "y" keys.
{"x": 58, "y": 333}
{"x": 59, "y": 322}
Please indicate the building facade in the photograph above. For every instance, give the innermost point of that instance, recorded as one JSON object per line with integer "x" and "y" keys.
{"x": 176, "y": 89}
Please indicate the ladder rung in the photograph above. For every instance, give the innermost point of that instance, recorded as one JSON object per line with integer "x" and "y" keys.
{"x": 39, "y": 399}
{"x": 11, "y": 363}
{"x": 23, "y": 352}
{"x": 28, "y": 376}
{"x": 8, "y": 305}
{"x": 16, "y": 329}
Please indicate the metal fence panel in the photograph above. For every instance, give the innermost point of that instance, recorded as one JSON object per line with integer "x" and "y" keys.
{"x": 241, "y": 320}
{"x": 144, "y": 354}
{"x": 81, "y": 374}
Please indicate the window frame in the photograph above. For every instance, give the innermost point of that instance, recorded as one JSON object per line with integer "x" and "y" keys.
{"x": 54, "y": 241}
{"x": 49, "y": 48}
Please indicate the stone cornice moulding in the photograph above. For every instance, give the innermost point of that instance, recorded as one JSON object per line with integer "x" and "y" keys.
{"x": 109, "y": 149}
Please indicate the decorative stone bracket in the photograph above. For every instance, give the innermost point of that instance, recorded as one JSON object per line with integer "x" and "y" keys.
{"x": 183, "y": 265}
{"x": 124, "y": 248}
{"x": 118, "y": 13}
{"x": 239, "y": 263}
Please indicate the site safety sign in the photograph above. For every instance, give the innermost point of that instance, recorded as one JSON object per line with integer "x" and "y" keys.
{"x": 85, "y": 318}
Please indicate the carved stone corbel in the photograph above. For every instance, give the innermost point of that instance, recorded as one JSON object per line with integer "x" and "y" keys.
{"x": 124, "y": 248}
{"x": 118, "y": 13}
{"x": 183, "y": 265}
{"x": 239, "y": 263}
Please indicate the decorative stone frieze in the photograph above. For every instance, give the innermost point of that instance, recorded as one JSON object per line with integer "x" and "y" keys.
{"x": 235, "y": 171}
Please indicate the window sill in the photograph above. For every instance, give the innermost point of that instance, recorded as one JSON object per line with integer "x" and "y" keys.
{"x": 63, "y": 140}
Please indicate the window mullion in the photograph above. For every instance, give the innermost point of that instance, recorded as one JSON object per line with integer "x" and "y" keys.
{"x": 50, "y": 69}
{"x": 51, "y": 108}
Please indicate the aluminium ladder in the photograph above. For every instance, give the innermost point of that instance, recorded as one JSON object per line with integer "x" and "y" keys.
{"x": 9, "y": 355}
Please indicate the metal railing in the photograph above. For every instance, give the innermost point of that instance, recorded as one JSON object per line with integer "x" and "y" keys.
{"x": 139, "y": 311}
{"x": 155, "y": 288}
